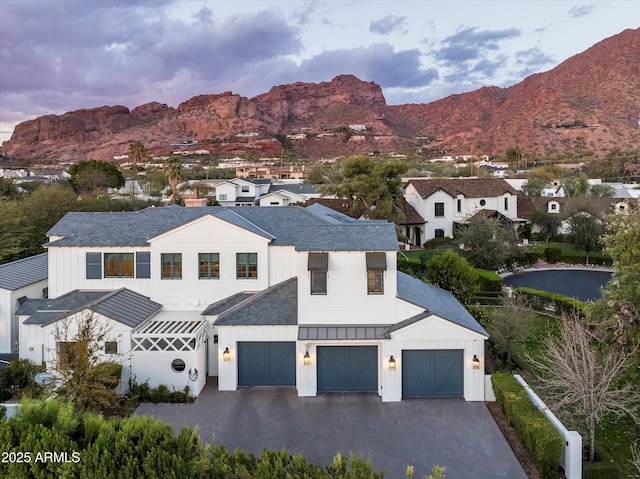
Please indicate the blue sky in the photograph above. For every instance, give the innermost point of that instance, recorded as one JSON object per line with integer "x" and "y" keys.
{"x": 57, "y": 56}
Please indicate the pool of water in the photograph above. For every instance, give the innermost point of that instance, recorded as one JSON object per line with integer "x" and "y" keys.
{"x": 583, "y": 284}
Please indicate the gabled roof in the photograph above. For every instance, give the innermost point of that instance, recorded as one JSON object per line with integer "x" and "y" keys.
{"x": 299, "y": 189}
{"x": 345, "y": 206}
{"x": 122, "y": 305}
{"x": 23, "y": 272}
{"x": 435, "y": 301}
{"x": 221, "y": 306}
{"x": 468, "y": 187}
{"x": 277, "y": 305}
{"x": 411, "y": 216}
{"x": 290, "y": 226}
{"x": 528, "y": 204}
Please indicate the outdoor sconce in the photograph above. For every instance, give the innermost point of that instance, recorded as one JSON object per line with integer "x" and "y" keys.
{"x": 226, "y": 355}
{"x": 476, "y": 362}
{"x": 392, "y": 364}
{"x": 306, "y": 359}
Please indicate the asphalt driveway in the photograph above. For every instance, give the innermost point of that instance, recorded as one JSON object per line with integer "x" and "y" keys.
{"x": 459, "y": 435}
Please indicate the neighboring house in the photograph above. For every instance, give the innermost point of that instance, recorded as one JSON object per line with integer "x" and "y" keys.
{"x": 301, "y": 297}
{"x": 241, "y": 192}
{"x": 19, "y": 280}
{"x": 443, "y": 203}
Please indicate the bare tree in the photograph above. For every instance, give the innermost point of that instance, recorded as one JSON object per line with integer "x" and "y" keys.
{"x": 81, "y": 372}
{"x": 583, "y": 379}
{"x": 510, "y": 323}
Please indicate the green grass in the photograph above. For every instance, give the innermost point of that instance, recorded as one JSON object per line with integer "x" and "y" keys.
{"x": 615, "y": 435}
{"x": 567, "y": 250}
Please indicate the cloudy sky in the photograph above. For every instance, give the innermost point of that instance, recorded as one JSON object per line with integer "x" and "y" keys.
{"x": 57, "y": 56}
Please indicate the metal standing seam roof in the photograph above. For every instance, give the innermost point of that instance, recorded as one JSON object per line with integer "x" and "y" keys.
{"x": 342, "y": 332}
{"x": 221, "y": 306}
{"x": 277, "y": 305}
{"x": 23, "y": 272}
{"x": 437, "y": 301}
{"x": 122, "y": 305}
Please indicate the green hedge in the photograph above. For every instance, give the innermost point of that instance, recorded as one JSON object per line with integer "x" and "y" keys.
{"x": 552, "y": 255}
{"x": 535, "y": 431}
{"x": 593, "y": 260}
{"x": 541, "y": 299}
{"x": 489, "y": 281}
{"x": 603, "y": 468}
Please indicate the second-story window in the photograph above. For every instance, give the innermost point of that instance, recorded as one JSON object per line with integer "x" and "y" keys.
{"x": 506, "y": 204}
{"x": 208, "y": 265}
{"x": 459, "y": 204}
{"x": 318, "y": 266}
{"x": 171, "y": 265}
{"x": 246, "y": 265}
{"x": 118, "y": 265}
{"x": 376, "y": 266}
{"x": 222, "y": 197}
{"x": 439, "y": 209}
{"x": 245, "y": 189}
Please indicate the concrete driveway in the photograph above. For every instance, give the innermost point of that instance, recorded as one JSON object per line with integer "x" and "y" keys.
{"x": 459, "y": 435}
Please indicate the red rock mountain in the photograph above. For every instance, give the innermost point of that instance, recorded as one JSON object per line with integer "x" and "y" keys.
{"x": 590, "y": 102}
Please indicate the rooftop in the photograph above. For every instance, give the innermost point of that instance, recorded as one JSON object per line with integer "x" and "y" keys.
{"x": 23, "y": 272}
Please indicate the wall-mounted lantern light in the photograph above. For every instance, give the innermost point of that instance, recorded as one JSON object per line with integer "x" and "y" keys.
{"x": 392, "y": 364}
{"x": 476, "y": 362}
{"x": 306, "y": 359}
{"x": 226, "y": 355}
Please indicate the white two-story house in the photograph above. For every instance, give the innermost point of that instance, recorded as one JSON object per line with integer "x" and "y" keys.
{"x": 257, "y": 297}
{"x": 446, "y": 202}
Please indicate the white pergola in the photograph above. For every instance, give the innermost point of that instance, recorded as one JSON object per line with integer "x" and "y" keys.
{"x": 171, "y": 331}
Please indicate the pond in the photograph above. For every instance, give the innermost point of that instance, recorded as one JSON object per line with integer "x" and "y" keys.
{"x": 583, "y": 284}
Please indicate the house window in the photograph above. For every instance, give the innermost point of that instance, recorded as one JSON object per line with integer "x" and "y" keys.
{"x": 318, "y": 266}
{"x": 67, "y": 352}
{"x": 376, "y": 266}
{"x": 459, "y": 205}
{"x": 439, "y": 209}
{"x": 93, "y": 263}
{"x": 506, "y": 204}
{"x": 274, "y": 203}
{"x": 222, "y": 197}
{"x": 246, "y": 265}
{"x": 143, "y": 264}
{"x": 439, "y": 233}
{"x": 209, "y": 265}
{"x": 118, "y": 265}
{"x": 245, "y": 189}
{"x": 171, "y": 265}
{"x": 111, "y": 347}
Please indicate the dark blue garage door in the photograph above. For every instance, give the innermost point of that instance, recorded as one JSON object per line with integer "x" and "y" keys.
{"x": 432, "y": 373}
{"x": 347, "y": 368}
{"x": 266, "y": 364}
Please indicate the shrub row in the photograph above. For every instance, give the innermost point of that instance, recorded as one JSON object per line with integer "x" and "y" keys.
{"x": 162, "y": 393}
{"x": 604, "y": 467}
{"x": 593, "y": 260}
{"x": 489, "y": 281}
{"x": 542, "y": 300}
{"x": 535, "y": 431}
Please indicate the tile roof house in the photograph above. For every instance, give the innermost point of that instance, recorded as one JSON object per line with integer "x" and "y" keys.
{"x": 302, "y": 297}
{"x": 443, "y": 203}
{"x": 19, "y": 280}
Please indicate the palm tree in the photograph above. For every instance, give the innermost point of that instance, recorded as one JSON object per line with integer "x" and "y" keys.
{"x": 174, "y": 171}
{"x": 138, "y": 151}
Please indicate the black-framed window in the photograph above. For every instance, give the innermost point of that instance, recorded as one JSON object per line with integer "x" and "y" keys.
{"x": 439, "y": 233}
{"x": 506, "y": 203}
{"x": 93, "y": 263}
{"x": 375, "y": 281}
{"x": 439, "y": 209}
{"x": 208, "y": 265}
{"x": 118, "y": 265}
{"x": 143, "y": 264}
{"x": 171, "y": 265}
{"x": 245, "y": 188}
{"x": 111, "y": 347}
{"x": 318, "y": 282}
{"x": 318, "y": 265}
{"x": 459, "y": 205}
{"x": 246, "y": 265}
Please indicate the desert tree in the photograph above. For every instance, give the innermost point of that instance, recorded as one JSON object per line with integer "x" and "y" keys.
{"x": 82, "y": 375}
{"x": 511, "y": 322}
{"x": 174, "y": 171}
{"x": 95, "y": 176}
{"x": 584, "y": 380}
{"x": 585, "y": 232}
{"x": 138, "y": 152}
{"x": 547, "y": 222}
{"x": 488, "y": 244}
{"x": 534, "y": 186}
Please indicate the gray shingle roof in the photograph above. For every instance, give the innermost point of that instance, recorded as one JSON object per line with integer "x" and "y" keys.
{"x": 23, "y": 272}
{"x": 221, "y": 306}
{"x": 277, "y": 305}
{"x": 435, "y": 300}
{"x": 122, "y": 305}
{"x": 307, "y": 230}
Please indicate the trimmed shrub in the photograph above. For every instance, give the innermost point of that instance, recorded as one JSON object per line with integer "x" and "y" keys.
{"x": 161, "y": 394}
{"x": 552, "y": 255}
{"x": 535, "y": 431}
{"x": 439, "y": 243}
{"x": 542, "y": 300}
{"x": 604, "y": 467}
{"x": 489, "y": 281}
{"x": 3, "y": 412}
{"x": 593, "y": 260}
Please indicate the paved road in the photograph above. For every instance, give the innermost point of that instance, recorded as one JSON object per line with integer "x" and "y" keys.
{"x": 459, "y": 435}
